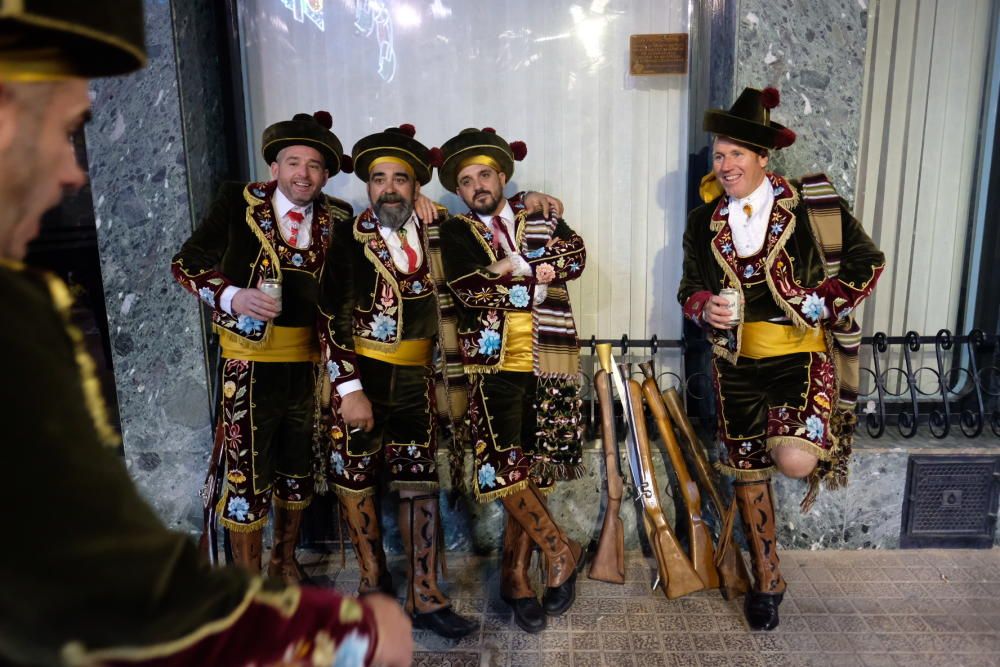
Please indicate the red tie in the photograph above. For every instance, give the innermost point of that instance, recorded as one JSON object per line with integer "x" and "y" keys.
{"x": 411, "y": 254}
{"x": 498, "y": 229}
{"x": 296, "y": 218}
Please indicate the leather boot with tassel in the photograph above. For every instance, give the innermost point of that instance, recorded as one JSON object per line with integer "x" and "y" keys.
{"x": 286, "y": 535}
{"x": 246, "y": 549}
{"x": 419, "y": 524}
{"x": 563, "y": 556}
{"x": 362, "y": 517}
{"x": 515, "y": 585}
{"x": 756, "y": 505}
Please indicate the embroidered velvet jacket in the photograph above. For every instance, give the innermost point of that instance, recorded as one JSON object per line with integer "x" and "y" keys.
{"x": 484, "y": 298}
{"x": 119, "y": 588}
{"x": 238, "y": 243}
{"x": 366, "y": 301}
{"x": 787, "y": 277}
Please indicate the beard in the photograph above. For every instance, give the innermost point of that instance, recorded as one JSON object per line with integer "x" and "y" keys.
{"x": 393, "y": 217}
{"x": 485, "y": 206}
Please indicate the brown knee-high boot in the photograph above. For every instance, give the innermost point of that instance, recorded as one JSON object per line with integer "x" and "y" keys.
{"x": 756, "y": 505}
{"x": 364, "y": 526}
{"x": 286, "y": 535}
{"x": 246, "y": 549}
{"x": 563, "y": 556}
{"x": 515, "y": 585}
{"x": 419, "y": 524}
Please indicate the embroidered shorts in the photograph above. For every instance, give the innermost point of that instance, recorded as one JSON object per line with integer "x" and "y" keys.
{"x": 403, "y": 442}
{"x": 772, "y": 402}
{"x": 267, "y": 421}
{"x": 503, "y": 421}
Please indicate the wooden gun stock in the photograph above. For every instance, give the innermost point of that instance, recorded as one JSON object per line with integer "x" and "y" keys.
{"x": 732, "y": 569}
{"x": 677, "y": 574}
{"x": 608, "y": 563}
{"x": 702, "y": 554}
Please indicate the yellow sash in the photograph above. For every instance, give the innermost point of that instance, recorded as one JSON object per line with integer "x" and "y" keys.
{"x": 283, "y": 344}
{"x": 517, "y": 354}
{"x": 767, "y": 339}
{"x": 409, "y": 353}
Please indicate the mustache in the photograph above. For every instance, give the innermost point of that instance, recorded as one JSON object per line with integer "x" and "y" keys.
{"x": 390, "y": 198}
{"x": 481, "y": 192}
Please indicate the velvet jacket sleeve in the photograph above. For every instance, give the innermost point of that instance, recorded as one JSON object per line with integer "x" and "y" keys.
{"x": 118, "y": 587}
{"x": 465, "y": 257}
{"x": 861, "y": 264}
{"x": 695, "y": 288}
{"x": 566, "y": 255}
{"x": 196, "y": 265}
{"x": 336, "y": 305}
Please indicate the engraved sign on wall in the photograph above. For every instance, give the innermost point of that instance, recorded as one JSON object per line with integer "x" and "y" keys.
{"x": 658, "y": 54}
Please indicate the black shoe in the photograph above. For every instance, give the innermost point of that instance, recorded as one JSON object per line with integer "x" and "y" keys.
{"x": 445, "y": 623}
{"x": 528, "y": 614}
{"x": 558, "y": 599}
{"x": 761, "y": 610}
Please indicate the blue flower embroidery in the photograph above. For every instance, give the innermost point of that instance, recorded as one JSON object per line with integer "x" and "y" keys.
{"x": 333, "y": 370}
{"x": 412, "y": 451}
{"x": 383, "y": 254}
{"x": 776, "y": 228}
{"x": 488, "y": 236}
{"x": 535, "y": 254}
{"x": 518, "y": 296}
{"x": 812, "y": 307}
{"x": 249, "y": 325}
{"x": 489, "y": 342}
{"x": 352, "y": 651}
{"x": 367, "y": 224}
{"x": 814, "y": 428}
{"x": 487, "y": 476}
{"x": 383, "y": 326}
{"x": 778, "y": 190}
{"x": 297, "y": 260}
{"x": 207, "y": 295}
{"x": 257, "y": 192}
{"x": 238, "y": 508}
{"x": 266, "y": 225}
{"x": 727, "y": 248}
{"x": 338, "y": 463}
{"x": 724, "y": 211}
{"x": 574, "y": 266}
{"x": 417, "y": 287}
{"x": 748, "y": 271}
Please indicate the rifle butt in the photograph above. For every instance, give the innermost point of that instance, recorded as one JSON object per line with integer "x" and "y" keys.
{"x": 676, "y": 570}
{"x": 735, "y": 581}
{"x": 608, "y": 563}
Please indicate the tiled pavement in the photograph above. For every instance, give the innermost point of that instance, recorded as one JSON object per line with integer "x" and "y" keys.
{"x": 843, "y": 608}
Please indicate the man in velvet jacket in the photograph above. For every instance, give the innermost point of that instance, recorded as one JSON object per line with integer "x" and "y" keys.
{"x": 89, "y": 573}
{"x": 517, "y": 340}
{"x": 786, "y": 374}
{"x": 277, "y": 230}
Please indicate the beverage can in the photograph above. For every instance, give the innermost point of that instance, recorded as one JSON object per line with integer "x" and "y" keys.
{"x": 732, "y": 297}
{"x": 272, "y": 288}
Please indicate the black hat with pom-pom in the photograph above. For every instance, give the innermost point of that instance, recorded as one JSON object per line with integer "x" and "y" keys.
{"x": 395, "y": 144}
{"x": 749, "y": 120}
{"x": 472, "y": 146}
{"x": 307, "y": 130}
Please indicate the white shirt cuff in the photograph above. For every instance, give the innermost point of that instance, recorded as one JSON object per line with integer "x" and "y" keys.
{"x": 226, "y": 299}
{"x": 349, "y": 387}
{"x": 521, "y": 266}
{"x": 541, "y": 291}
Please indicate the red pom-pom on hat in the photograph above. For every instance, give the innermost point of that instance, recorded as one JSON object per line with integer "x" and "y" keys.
{"x": 490, "y": 130}
{"x": 436, "y": 157}
{"x": 784, "y": 138}
{"x": 408, "y": 130}
{"x": 770, "y": 97}
{"x": 324, "y": 118}
{"x": 346, "y": 164}
{"x": 519, "y": 149}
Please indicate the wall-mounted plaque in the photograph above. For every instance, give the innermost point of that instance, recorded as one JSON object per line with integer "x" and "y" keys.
{"x": 658, "y": 54}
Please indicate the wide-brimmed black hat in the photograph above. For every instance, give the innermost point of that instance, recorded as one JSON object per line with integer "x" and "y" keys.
{"x": 395, "y": 143}
{"x": 472, "y": 146}
{"x": 749, "y": 120}
{"x": 305, "y": 130}
{"x": 48, "y": 40}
